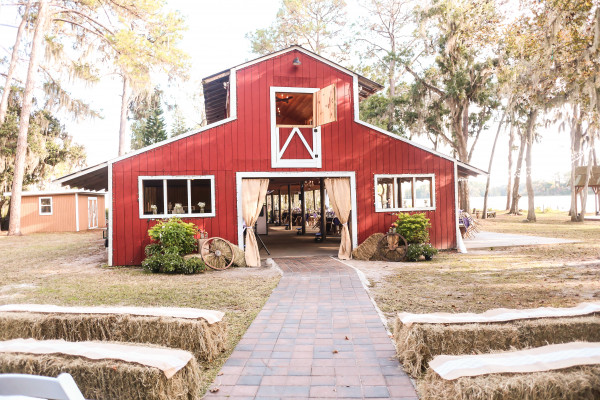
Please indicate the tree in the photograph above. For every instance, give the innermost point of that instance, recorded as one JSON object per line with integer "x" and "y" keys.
{"x": 382, "y": 32}
{"x": 461, "y": 39}
{"x": 179, "y": 124}
{"x": 43, "y": 19}
{"x": 149, "y": 124}
{"x": 49, "y": 146}
{"x": 13, "y": 62}
{"x": 315, "y": 24}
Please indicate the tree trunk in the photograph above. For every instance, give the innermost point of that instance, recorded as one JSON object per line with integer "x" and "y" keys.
{"x": 530, "y": 138}
{"x": 487, "y": 183}
{"x": 37, "y": 49}
{"x": 123, "y": 123}
{"x": 14, "y": 58}
{"x": 576, "y": 136}
{"x": 588, "y": 173}
{"x": 514, "y": 205}
{"x": 392, "y": 83}
{"x": 511, "y": 143}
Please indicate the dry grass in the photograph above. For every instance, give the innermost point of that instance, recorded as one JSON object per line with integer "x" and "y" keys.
{"x": 65, "y": 269}
{"x": 557, "y": 275}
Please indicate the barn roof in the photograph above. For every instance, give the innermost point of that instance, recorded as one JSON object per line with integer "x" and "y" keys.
{"x": 96, "y": 176}
{"x": 216, "y": 86}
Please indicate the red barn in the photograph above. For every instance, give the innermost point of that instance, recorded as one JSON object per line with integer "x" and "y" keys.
{"x": 288, "y": 116}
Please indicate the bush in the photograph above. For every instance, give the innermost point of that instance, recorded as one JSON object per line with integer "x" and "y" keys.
{"x": 152, "y": 263}
{"x": 175, "y": 234}
{"x": 429, "y": 251}
{"x": 153, "y": 249}
{"x": 194, "y": 265}
{"x": 415, "y": 251}
{"x": 414, "y": 227}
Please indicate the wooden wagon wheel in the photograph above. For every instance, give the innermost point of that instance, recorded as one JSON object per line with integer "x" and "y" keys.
{"x": 392, "y": 247}
{"x": 217, "y": 253}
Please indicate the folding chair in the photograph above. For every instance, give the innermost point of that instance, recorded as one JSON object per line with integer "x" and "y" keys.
{"x": 39, "y": 387}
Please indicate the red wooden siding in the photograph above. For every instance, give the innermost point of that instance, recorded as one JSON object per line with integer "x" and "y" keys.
{"x": 245, "y": 145}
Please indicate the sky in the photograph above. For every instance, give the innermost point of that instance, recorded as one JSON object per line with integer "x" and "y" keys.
{"x": 215, "y": 40}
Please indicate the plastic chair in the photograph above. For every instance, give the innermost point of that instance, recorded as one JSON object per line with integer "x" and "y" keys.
{"x": 62, "y": 387}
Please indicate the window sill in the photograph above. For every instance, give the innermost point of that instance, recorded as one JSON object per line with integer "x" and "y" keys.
{"x": 163, "y": 216}
{"x": 381, "y": 210}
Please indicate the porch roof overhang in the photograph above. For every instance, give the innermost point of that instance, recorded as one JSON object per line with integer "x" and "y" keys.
{"x": 580, "y": 174}
{"x": 465, "y": 169}
{"x": 91, "y": 178}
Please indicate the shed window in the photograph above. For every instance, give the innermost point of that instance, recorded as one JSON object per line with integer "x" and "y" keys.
{"x": 177, "y": 196}
{"x": 306, "y": 109}
{"x": 404, "y": 192}
{"x": 45, "y": 205}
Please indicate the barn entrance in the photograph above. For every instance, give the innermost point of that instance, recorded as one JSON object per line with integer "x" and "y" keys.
{"x": 297, "y": 217}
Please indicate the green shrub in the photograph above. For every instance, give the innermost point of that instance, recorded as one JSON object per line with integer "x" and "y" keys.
{"x": 175, "y": 234}
{"x": 194, "y": 265}
{"x": 153, "y": 263}
{"x": 428, "y": 251}
{"x": 414, "y": 227}
{"x": 172, "y": 263}
{"x": 413, "y": 252}
{"x": 153, "y": 249}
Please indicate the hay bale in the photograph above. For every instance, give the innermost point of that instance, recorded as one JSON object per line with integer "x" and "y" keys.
{"x": 110, "y": 379}
{"x": 203, "y": 340}
{"x": 417, "y": 344}
{"x": 567, "y": 384}
{"x": 367, "y": 250}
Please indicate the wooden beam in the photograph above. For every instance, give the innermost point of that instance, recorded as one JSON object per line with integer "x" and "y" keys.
{"x": 303, "y": 207}
{"x": 279, "y": 222}
{"x": 291, "y": 223}
{"x": 323, "y": 216}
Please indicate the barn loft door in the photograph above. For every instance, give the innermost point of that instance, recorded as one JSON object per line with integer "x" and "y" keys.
{"x": 297, "y": 115}
{"x": 325, "y": 106}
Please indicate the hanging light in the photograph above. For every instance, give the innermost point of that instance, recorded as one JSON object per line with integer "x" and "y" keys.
{"x": 296, "y": 62}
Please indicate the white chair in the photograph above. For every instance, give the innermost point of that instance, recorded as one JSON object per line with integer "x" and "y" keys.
{"x": 39, "y": 387}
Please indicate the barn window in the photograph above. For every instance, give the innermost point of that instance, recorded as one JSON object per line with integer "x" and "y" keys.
{"x": 298, "y": 109}
{"x": 45, "y": 205}
{"x": 404, "y": 192}
{"x": 182, "y": 196}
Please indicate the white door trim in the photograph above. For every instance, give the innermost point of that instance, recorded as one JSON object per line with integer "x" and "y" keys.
{"x": 277, "y": 149}
{"x": 329, "y": 174}
{"x": 94, "y": 222}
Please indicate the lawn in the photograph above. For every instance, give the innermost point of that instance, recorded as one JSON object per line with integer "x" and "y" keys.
{"x": 558, "y": 275}
{"x": 70, "y": 269}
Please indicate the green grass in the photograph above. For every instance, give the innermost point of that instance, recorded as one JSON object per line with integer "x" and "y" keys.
{"x": 66, "y": 269}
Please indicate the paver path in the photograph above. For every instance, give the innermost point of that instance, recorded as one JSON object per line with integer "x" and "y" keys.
{"x": 318, "y": 336}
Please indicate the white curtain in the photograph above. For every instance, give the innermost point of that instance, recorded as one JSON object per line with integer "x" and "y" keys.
{"x": 253, "y": 197}
{"x": 338, "y": 190}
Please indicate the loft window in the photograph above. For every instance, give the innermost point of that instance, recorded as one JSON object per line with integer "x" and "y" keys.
{"x": 182, "y": 196}
{"x": 404, "y": 192}
{"x": 45, "y": 205}
{"x": 309, "y": 109}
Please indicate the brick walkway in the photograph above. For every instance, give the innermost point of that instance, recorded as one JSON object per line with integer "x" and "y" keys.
{"x": 318, "y": 336}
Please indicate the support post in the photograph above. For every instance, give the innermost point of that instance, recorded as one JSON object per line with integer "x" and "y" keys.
{"x": 279, "y": 221}
{"x": 303, "y": 207}
{"x": 323, "y": 216}
{"x": 290, "y": 215}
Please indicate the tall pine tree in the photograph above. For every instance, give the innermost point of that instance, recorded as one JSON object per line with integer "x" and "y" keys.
{"x": 149, "y": 124}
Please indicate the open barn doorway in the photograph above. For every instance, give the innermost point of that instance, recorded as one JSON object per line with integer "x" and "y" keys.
{"x": 297, "y": 218}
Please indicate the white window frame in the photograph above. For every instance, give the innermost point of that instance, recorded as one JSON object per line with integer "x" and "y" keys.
{"x": 165, "y": 178}
{"x": 433, "y": 197}
{"x": 276, "y": 154}
{"x": 45, "y": 205}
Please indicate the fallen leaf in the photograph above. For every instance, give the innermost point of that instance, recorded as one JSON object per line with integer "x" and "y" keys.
{"x": 335, "y": 352}
{"x": 347, "y": 338}
{"x": 214, "y": 390}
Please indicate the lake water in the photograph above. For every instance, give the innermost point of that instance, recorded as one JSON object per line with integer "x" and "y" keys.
{"x": 561, "y": 203}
